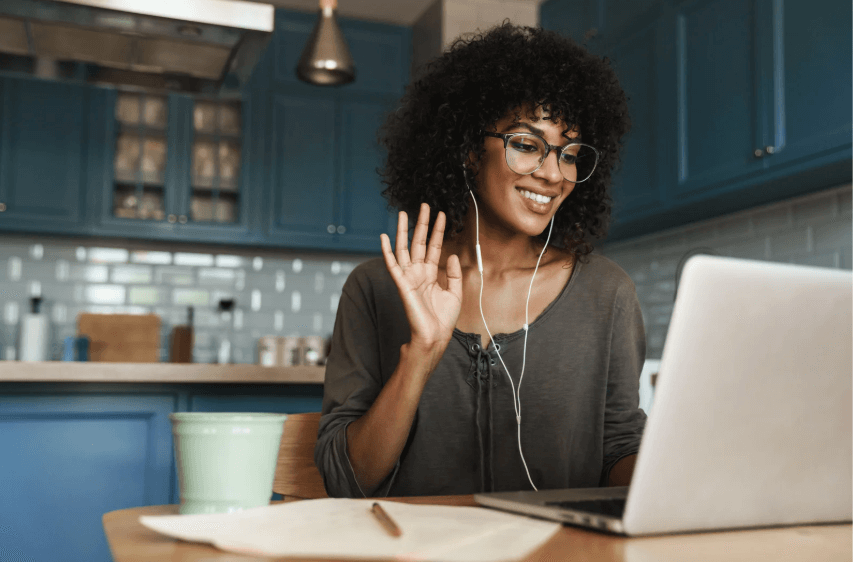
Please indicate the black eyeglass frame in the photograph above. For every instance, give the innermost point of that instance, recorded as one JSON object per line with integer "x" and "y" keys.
{"x": 548, "y": 149}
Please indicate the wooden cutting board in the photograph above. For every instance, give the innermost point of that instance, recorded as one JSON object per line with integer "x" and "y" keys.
{"x": 121, "y": 338}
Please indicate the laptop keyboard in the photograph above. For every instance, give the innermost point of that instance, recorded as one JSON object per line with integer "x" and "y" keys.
{"x": 609, "y": 507}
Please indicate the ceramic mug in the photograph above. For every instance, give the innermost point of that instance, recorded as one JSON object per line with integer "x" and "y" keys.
{"x": 226, "y": 461}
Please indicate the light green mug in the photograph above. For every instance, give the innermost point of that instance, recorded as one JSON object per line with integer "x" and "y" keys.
{"x": 226, "y": 461}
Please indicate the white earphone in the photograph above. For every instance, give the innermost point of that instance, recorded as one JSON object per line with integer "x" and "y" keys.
{"x": 516, "y": 393}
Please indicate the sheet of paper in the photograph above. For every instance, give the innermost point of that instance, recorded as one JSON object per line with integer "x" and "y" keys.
{"x": 344, "y": 528}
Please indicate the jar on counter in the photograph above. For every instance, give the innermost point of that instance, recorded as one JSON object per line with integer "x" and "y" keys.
{"x": 290, "y": 351}
{"x": 268, "y": 351}
{"x": 314, "y": 350}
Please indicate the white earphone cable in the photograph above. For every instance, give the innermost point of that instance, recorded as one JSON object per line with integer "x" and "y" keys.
{"x": 516, "y": 393}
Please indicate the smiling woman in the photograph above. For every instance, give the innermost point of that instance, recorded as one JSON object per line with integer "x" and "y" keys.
{"x": 511, "y": 137}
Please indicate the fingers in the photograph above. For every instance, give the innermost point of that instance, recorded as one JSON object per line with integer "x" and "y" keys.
{"x": 454, "y": 276}
{"x": 390, "y": 261}
{"x": 419, "y": 237}
{"x": 434, "y": 251}
{"x": 403, "y": 240}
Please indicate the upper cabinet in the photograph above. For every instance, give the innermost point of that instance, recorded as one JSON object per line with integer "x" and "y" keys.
{"x": 322, "y": 150}
{"x": 640, "y": 57}
{"x": 726, "y": 89}
{"x": 734, "y": 103}
{"x": 302, "y": 175}
{"x": 170, "y": 166}
{"x": 814, "y": 79}
{"x": 363, "y": 211}
{"x": 42, "y": 147}
{"x": 325, "y": 191}
{"x": 286, "y": 165}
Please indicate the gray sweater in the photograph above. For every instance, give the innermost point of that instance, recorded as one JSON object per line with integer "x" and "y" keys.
{"x": 579, "y": 395}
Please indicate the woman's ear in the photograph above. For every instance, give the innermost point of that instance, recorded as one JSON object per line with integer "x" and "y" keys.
{"x": 470, "y": 164}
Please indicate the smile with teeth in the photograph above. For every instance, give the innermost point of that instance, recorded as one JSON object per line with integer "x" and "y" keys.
{"x": 535, "y": 197}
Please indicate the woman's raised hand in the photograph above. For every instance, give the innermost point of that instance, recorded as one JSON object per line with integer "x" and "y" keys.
{"x": 432, "y": 311}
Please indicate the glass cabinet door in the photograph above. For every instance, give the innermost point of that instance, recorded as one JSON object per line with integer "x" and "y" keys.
{"x": 140, "y": 156}
{"x": 216, "y": 155}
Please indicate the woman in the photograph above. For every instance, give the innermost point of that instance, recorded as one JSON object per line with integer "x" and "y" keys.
{"x": 503, "y": 150}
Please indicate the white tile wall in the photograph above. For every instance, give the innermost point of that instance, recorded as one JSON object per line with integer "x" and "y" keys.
{"x": 810, "y": 230}
{"x": 279, "y": 293}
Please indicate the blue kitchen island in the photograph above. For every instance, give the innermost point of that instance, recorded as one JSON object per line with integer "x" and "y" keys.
{"x": 80, "y": 439}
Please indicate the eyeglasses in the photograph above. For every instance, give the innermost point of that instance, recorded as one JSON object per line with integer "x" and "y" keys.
{"x": 525, "y": 153}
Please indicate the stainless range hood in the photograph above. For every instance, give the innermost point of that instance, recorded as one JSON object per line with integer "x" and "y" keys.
{"x": 188, "y": 45}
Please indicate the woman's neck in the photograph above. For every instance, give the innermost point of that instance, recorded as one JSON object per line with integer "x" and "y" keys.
{"x": 501, "y": 252}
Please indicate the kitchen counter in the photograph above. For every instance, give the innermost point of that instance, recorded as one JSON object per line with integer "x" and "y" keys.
{"x": 71, "y": 371}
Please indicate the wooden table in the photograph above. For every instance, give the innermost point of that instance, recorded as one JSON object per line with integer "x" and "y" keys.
{"x": 130, "y": 541}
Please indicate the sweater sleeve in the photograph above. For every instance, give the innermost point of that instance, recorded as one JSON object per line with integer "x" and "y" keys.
{"x": 352, "y": 383}
{"x": 624, "y": 421}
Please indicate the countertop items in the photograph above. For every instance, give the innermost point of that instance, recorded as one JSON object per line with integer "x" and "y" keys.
{"x": 292, "y": 351}
{"x": 35, "y": 333}
{"x": 59, "y": 371}
{"x": 181, "y": 345}
{"x": 130, "y": 338}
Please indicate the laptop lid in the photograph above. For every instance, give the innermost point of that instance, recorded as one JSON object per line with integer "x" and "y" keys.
{"x": 752, "y": 418}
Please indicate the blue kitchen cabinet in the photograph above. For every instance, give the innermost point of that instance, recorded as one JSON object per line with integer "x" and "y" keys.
{"x": 735, "y": 103}
{"x": 279, "y": 399}
{"x": 322, "y": 150}
{"x": 815, "y": 82}
{"x": 69, "y": 458}
{"x": 641, "y": 59}
{"x": 42, "y": 147}
{"x": 325, "y": 188}
{"x": 74, "y": 451}
{"x": 175, "y": 219}
{"x": 363, "y": 211}
{"x": 308, "y": 155}
{"x": 102, "y": 117}
{"x": 735, "y": 124}
{"x": 301, "y": 171}
{"x": 726, "y": 87}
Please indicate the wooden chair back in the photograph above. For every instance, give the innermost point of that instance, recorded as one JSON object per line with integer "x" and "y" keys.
{"x": 296, "y": 475}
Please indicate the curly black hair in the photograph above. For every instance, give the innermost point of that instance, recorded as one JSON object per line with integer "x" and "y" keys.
{"x": 479, "y": 81}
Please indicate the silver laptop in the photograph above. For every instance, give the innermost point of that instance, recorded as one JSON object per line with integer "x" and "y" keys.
{"x": 751, "y": 425}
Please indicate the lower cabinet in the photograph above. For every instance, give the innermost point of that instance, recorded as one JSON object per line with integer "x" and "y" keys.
{"x": 72, "y": 452}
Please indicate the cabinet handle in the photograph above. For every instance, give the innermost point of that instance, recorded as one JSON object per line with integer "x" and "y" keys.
{"x": 182, "y": 219}
{"x": 758, "y": 153}
{"x": 342, "y": 229}
{"x": 172, "y": 218}
{"x": 770, "y": 149}
{"x": 330, "y": 229}
{"x": 2, "y": 207}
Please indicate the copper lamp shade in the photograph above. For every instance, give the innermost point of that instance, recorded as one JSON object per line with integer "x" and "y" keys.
{"x": 326, "y": 60}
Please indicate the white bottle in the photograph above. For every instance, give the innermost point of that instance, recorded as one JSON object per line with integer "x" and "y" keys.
{"x": 35, "y": 333}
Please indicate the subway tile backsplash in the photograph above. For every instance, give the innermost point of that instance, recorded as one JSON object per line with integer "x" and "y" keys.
{"x": 809, "y": 230}
{"x": 274, "y": 293}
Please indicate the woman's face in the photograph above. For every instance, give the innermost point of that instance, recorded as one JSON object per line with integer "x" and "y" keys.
{"x": 509, "y": 198}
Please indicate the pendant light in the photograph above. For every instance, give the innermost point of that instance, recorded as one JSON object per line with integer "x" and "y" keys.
{"x": 326, "y": 60}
